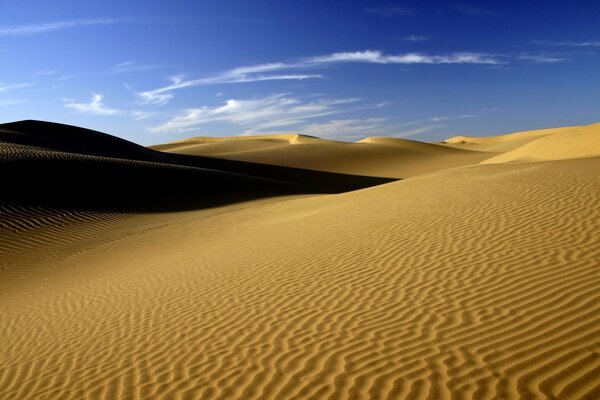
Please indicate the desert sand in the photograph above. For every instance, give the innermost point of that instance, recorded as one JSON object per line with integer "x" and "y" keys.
{"x": 291, "y": 267}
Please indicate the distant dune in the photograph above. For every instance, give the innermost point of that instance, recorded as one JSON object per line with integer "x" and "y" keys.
{"x": 291, "y": 267}
{"x": 576, "y": 142}
{"x": 384, "y": 157}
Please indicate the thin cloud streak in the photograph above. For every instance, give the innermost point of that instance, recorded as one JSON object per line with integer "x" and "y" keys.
{"x": 415, "y": 38}
{"x": 94, "y": 107}
{"x": 247, "y": 74}
{"x": 121, "y": 68}
{"x": 349, "y": 129}
{"x": 266, "y": 72}
{"x": 255, "y": 115}
{"x": 5, "y": 103}
{"x": 542, "y": 58}
{"x": 390, "y": 11}
{"x": 377, "y": 57}
{"x": 417, "y": 131}
{"x": 567, "y": 44}
{"x": 34, "y": 29}
{"x": 97, "y": 107}
{"x": 12, "y": 86}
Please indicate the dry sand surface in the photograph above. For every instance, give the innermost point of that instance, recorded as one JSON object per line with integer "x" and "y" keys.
{"x": 478, "y": 276}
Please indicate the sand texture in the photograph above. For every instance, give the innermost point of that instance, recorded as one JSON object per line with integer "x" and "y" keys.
{"x": 475, "y": 278}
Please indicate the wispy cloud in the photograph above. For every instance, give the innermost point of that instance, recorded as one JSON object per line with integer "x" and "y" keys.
{"x": 417, "y": 131}
{"x": 132, "y": 66}
{"x": 435, "y": 120}
{"x": 256, "y": 115}
{"x": 4, "y": 87}
{"x": 274, "y": 71}
{"x": 348, "y": 129}
{"x": 247, "y": 74}
{"x": 567, "y": 44}
{"x": 542, "y": 58}
{"x": 10, "y": 102}
{"x": 94, "y": 107}
{"x": 121, "y": 68}
{"x": 377, "y": 57}
{"x": 45, "y": 72}
{"x": 34, "y": 29}
{"x": 415, "y": 38}
{"x": 390, "y": 11}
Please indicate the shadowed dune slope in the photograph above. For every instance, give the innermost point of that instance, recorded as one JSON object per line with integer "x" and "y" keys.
{"x": 60, "y": 166}
{"x": 388, "y": 157}
{"x": 476, "y": 282}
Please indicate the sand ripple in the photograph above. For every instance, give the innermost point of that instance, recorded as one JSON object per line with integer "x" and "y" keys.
{"x": 478, "y": 282}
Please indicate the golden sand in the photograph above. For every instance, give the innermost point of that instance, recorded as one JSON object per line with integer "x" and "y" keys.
{"x": 477, "y": 278}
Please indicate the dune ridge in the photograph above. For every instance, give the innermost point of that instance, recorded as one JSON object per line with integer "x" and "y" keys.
{"x": 567, "y": 143}
{"x": 475, "y": 281}
{"x": 120, "y": 176}
{"x": 373, "y": 156}
{"x": 291, "y": 138}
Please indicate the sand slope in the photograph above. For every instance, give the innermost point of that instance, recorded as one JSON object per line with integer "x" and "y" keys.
{"x": 576, "y": 142}
{"x": 383, "y": 157}
{"x": 68, "y": 167}
{"x": 474, "y": 282}
{"x": 502, "y": 143}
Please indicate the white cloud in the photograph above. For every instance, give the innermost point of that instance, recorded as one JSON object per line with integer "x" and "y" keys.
{"x": 45, "y": 72}
{"x": 390, "y": 11}
{"x": 377, "y": 57}
{"x": 5, "y": 103}
{"x": 255, "y": 115}
{"x": 542, "y": 58}
{"x": 4, "y": 87}
{"x": 94, "y": 107}
{"x": 415, "y": 38}
{"x": 247, "y": 74}
{"x": 32, "y": 29}
{"x": 265, "y": 72}
{"x": 97, "y": 107}
{"x": 446, "y": 118}
{"x": 436, "y": 119}
{"x": 567, "y": 44}
{"x": 131, "y": 66}
{"x": 121, "y": 68}
{"x": 349, "y": 129}
{"x": 140, "y": 115}
{"x": 416, "y": 131}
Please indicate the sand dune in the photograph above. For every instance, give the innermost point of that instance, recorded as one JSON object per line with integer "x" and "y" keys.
{"x": 502, "y": 143}
{"x": 68, "y": 167}
{"x": 480, "y": 281}
{"x": 212, "y": 144}
{"x": 383, "y": 157}
{"x": 575, "y": 142}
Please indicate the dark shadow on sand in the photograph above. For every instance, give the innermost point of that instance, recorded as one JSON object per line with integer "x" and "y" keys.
{"x": 62, "y": 166}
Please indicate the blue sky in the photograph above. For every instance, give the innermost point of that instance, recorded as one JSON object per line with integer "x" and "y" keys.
{"x": 153, "y": 71}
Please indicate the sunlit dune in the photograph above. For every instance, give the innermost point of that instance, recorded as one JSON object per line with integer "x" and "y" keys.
{"x": 292, "y": 267}
{"x": 385, "y": 157}
{"x": 576, "y": 142}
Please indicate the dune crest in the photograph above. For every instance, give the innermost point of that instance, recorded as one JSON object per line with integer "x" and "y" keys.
{"x": 502, "y": 143}
{"x": 374, "y": 156}
{"x": 567, "y": 143}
